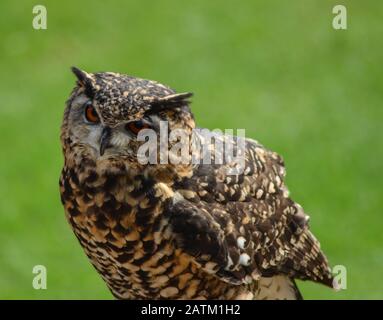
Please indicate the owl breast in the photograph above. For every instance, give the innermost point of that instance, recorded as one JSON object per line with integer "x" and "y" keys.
{"x": 120, "y": 222}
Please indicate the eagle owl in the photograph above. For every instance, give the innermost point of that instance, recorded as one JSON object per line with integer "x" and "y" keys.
{"x": 177, "y": 230}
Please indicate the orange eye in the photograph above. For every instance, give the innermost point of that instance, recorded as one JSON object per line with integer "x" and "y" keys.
{"x": 91, "y": 114}
{"x": 136, "y": 126}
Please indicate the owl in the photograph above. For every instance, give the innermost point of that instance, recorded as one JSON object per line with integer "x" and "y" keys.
{"x": 177, "y": 230}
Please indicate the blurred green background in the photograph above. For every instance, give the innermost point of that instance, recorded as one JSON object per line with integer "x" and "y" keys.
{"x": 276, "y": 68}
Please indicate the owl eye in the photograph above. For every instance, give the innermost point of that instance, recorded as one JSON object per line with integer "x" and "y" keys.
{"x": 91, "y": 114}
{"x": 136, "y": 126}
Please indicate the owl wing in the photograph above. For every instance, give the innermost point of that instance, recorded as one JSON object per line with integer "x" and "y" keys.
{"x": 243, "y": 227}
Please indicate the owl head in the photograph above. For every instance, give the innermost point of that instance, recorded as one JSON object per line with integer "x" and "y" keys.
{"x": 106, "y": 112}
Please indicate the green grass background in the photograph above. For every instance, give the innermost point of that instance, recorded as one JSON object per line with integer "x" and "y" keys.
{"x": 276, "y": 68}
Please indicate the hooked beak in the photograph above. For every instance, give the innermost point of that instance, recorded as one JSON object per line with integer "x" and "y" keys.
{"x": 105, "y": 139}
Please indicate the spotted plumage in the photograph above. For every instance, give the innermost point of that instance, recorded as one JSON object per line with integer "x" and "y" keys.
{"x": 178, "y": 231}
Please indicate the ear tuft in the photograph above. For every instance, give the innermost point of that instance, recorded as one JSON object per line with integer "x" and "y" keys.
{"x": 177, "y": 97}
{"x": 172, "y": 100}
{"x": 84, "y": 79}
{"x": 82, "y": 76}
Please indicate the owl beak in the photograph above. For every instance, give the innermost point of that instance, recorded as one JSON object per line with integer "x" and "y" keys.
{"x": 105, "y": 139}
